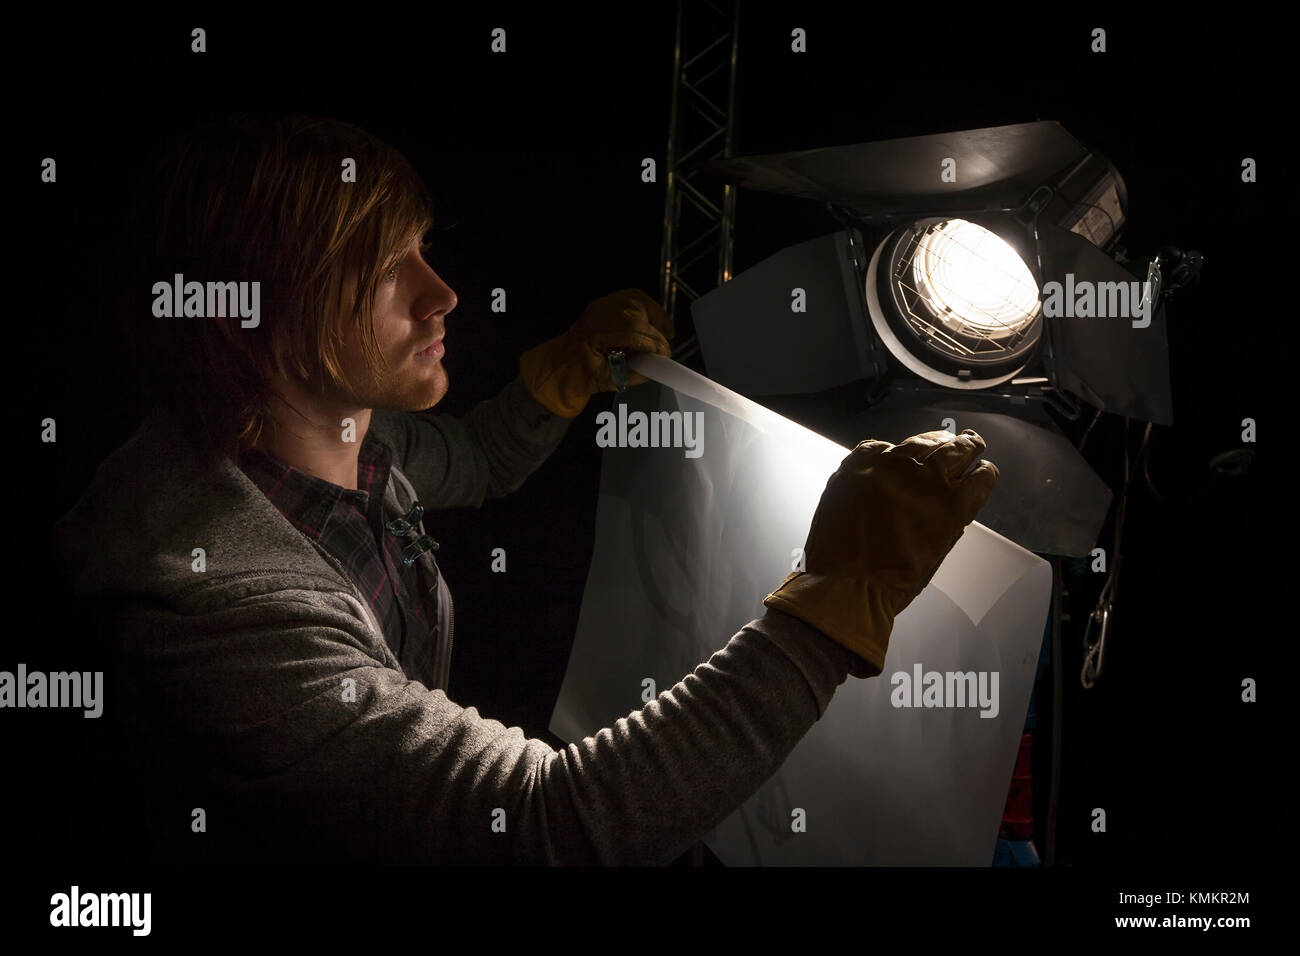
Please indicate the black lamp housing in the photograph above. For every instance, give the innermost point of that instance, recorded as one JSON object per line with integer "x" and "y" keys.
{"x": 1059, "y": 206}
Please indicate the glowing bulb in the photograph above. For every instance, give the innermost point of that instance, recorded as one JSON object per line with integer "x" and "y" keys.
{"x": 974, "y": 281}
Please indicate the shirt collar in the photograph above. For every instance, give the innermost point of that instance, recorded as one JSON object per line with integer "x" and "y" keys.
{"x": 309, "y": 501}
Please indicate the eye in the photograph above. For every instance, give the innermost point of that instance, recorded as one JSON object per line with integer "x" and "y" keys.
{"x": 425, "y": 245}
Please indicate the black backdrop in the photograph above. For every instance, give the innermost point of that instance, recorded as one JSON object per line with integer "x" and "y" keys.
{"x": 535, "y": 158}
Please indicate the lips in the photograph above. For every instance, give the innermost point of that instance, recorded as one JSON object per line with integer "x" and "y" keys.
{"x": 430, "y": 347}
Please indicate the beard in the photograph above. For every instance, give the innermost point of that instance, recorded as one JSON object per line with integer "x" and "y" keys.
{"x": 412, "y": 385}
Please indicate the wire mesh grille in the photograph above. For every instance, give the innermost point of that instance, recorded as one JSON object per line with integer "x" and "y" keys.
{"x": 965, "y": 292}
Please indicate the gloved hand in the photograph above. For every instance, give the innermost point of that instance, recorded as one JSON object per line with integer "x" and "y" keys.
{"x": 888, "y": 517}
{"x": 564, "y": 372}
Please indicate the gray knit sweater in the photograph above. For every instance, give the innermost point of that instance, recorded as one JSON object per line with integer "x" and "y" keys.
{"x": 265, "y": 683}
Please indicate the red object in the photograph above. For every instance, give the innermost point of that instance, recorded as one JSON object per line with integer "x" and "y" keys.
{"x": 1018, "y": 817}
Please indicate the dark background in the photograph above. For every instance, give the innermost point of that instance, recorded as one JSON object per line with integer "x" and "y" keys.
{"x": 533, "y": 159}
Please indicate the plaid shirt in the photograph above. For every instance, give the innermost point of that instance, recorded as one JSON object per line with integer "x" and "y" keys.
{"x": 350, "y": 525}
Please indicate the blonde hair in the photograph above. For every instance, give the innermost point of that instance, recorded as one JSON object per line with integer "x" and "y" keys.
{"x": 261, "y": 197}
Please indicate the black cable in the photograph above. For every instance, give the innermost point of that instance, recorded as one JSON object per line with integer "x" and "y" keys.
{"x": 1103, "y": 613}
{"x": 1058, "y": 704}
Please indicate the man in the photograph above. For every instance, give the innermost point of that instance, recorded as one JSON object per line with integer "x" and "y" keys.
{"x": 279, "y": 630}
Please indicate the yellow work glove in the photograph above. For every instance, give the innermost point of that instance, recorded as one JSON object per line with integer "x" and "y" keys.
{"x": 564, "y": 372}
{"x": 888, "y": 517}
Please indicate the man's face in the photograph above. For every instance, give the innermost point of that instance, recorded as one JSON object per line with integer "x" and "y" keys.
{"x": 411, "y": 308}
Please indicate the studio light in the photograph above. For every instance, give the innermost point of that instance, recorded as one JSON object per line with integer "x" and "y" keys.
{"x": 949, "y": 290}
{"x": 949, "y": 243}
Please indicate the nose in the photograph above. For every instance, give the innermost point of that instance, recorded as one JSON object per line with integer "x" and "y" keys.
{"x": 436, "y": 299}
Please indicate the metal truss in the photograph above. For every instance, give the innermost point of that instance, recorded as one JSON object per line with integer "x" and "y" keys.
{"x": 699, "y": 213}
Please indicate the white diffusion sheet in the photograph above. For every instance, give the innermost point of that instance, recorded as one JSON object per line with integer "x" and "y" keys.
{"x": 689, "y": 540}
